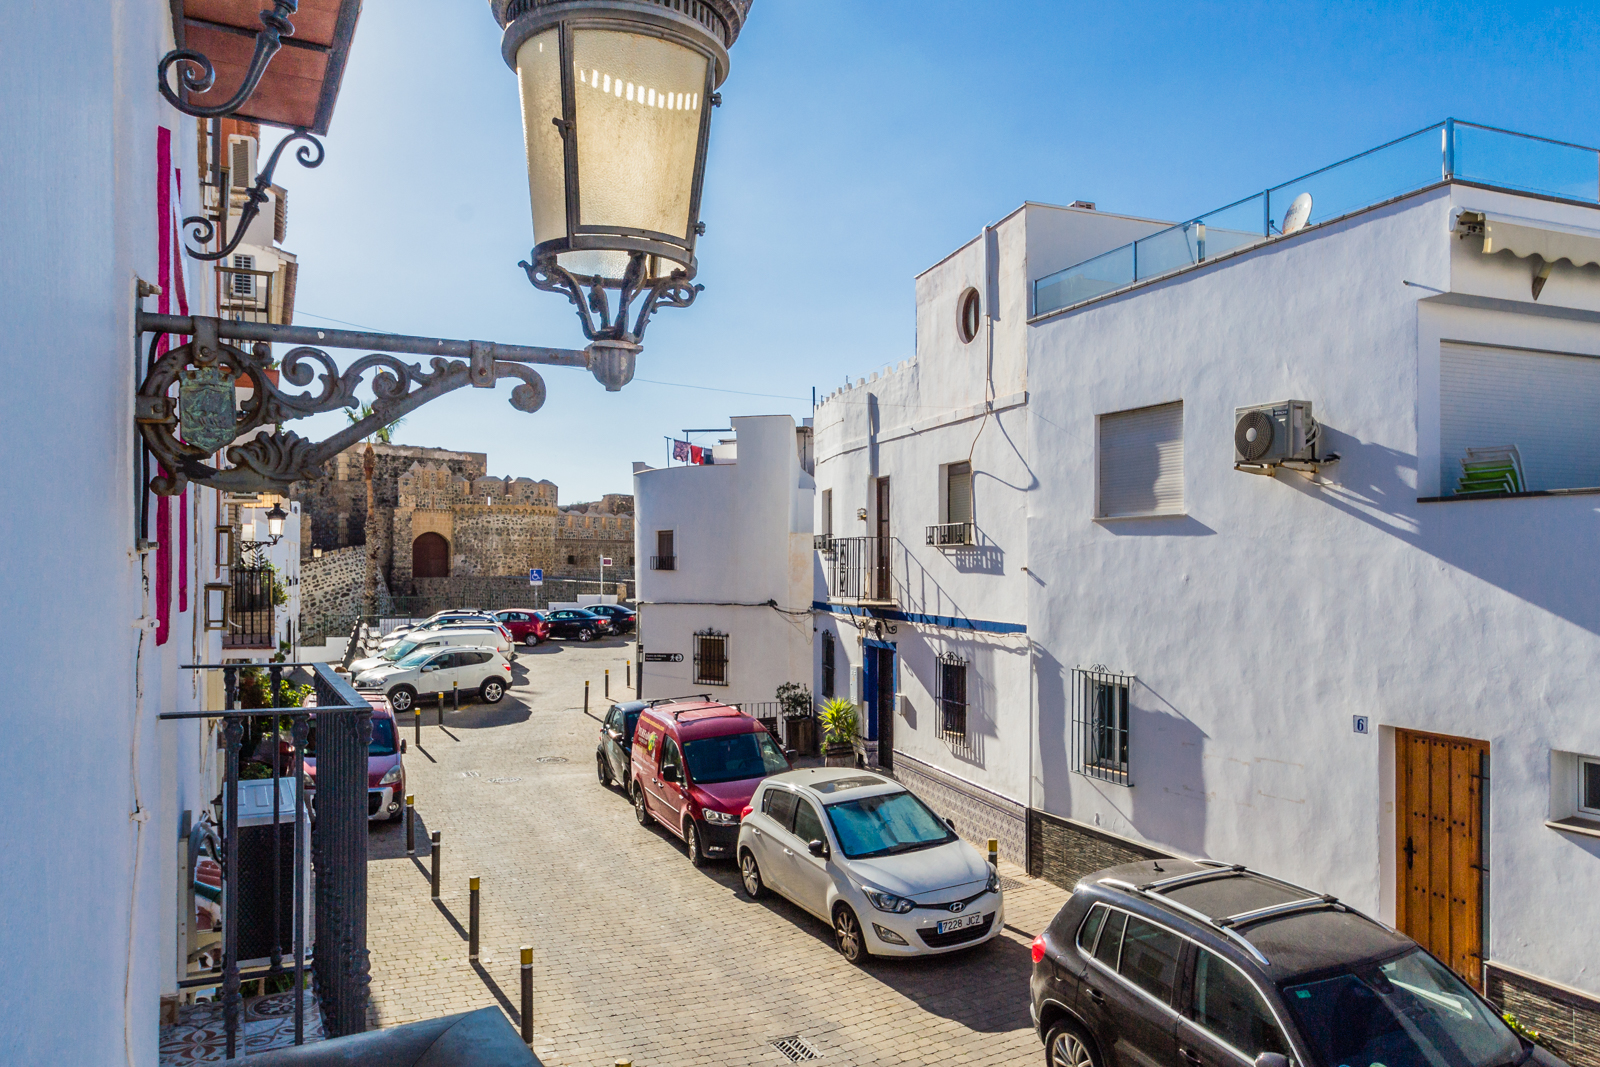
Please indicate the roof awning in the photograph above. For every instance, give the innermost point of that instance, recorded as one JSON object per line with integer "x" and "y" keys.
{"x": 301, "y": 84}
{"x": 1550, "y": 242}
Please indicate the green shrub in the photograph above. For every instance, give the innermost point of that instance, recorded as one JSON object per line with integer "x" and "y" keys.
{"x": 839, "y": 723}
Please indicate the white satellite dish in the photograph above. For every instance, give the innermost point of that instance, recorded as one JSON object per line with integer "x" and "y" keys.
{"x": 1299, "y": 211}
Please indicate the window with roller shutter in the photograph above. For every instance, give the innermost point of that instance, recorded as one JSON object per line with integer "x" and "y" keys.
{"x": 1141, "y": 462}
{"x": 958, "y": 493}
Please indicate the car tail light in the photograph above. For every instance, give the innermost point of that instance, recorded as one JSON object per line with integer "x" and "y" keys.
{"x": 745, "y": 812}
{"x": 507, "y": 666}
{"x": 1038, "y": 948}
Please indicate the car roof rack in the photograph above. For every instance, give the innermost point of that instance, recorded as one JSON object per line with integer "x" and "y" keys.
{"x": 1231, "y": 924}
{"x": 706, "y": 697}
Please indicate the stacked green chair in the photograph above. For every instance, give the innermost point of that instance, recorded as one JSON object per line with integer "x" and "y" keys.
{"x": 1491, "y": 470}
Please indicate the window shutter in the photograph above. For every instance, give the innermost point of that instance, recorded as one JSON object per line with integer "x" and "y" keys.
{"x": 959, "y": 493}
{"x": 241, "y": 177}
{"x": 827, "y": 513}
{"x": 664, "y": 543}
{"x": 1542, "y": 403}
{"x": 1141, "y": 462}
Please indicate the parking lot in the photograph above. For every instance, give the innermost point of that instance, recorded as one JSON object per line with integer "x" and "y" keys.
{"x": 637, "y": 955}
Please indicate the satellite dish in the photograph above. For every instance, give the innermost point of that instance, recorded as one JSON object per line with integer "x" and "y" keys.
{"x": 1299, "y": 211}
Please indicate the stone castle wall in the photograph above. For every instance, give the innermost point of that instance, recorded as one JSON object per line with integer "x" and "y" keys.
{"x": 333, "y": 589}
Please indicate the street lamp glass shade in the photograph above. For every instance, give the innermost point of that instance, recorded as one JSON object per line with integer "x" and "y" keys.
{"x": 275, "y": 519}
{"x": 638, "y": 103}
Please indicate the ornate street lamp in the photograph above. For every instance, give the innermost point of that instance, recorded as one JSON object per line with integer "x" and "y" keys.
{"x": 275, "y": 519}
{"x": 616, "y": 103}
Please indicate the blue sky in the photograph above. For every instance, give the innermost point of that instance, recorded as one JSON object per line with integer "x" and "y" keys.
{"x": 859, "y": 143}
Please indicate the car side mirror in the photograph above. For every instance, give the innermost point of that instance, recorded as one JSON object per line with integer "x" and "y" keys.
{"x": 791, "y": 754}
{"x": 669, "y": 774}
{"x": 402, "y": 746}
{"x": 1272, "y": 1059}
{"x": 950, "y": 823}
{"x": 425, "y": 670}
{"x": 819, "y": 850}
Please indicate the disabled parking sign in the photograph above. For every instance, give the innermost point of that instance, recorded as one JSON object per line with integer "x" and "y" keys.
{"x": 535, "y": 576}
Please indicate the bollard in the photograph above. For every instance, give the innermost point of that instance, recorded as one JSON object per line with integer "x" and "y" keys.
{"x": 417, "y": 721}
{"x": 455, "y": 696}
{"x": 440, "y": 698}
{"x": 434, "y": 852}
{"x": 629, "y": 681}
{"x": 586, "y": 697}
{"x": 608, "y": 683}
{"x": 994, "y": 853}
{"x": 527, "y": 994}
{"x": 411, "y": 824}
{"x": 472, "y": 918}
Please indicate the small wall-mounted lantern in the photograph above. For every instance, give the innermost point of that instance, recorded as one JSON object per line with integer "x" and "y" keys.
{"x": 275, "y": 519}
{"x": 216, "y": 605}
{"x": 224, "y": 547}
{"x": 316, "y": 553}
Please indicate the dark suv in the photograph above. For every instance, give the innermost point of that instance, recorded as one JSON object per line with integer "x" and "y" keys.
{"x": 1201, "y": 964}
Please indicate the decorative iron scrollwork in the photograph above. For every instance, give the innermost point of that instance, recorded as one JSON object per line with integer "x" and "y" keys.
{"x": 197, "y": 75}
{"x": 204, "y": 229}
{"x": 594, "y": 307}
{"x": 271, "y": 460}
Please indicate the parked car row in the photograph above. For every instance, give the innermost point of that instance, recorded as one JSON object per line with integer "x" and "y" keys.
{"x": 580, "y": 624}
{"x": 855, "y": 849}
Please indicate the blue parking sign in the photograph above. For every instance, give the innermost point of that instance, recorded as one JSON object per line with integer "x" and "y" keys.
{"x": 535, "y": 576}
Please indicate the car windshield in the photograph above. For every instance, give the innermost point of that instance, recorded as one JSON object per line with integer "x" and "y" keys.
{"x": 404, "y": 648}
{"x": 417, "y": 658}
{"x": 1409, "y": 1012}
{"x": 735, "y": 756}
{"x": 886, "y": 824}
{"x": 382, "y": 743}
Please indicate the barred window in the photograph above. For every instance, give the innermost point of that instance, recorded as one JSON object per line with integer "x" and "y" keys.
{"x": 710, "y": 657}
{"x": 827, "y": 664}
{"x": 1100, "y": 724}
{"x": 951, "y": 696}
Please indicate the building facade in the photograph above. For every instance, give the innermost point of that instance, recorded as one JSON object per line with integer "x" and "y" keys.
{"x": 1081, "y": 619}
{"x": 725, "y": 586}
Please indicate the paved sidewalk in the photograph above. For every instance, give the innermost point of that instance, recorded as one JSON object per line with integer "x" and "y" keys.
{"x": 636, "y": 954}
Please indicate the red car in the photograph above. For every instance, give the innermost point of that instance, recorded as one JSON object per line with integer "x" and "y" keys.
{"x": 695, "y": 764}
{"x": 528, "y": 627}
{"x": 386, "y": 771}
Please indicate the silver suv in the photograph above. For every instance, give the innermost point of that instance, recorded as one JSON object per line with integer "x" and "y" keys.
{"x": 1179, "y": 963}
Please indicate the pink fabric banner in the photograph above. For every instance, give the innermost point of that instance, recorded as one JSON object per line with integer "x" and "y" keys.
{"x": 163, "y": 530}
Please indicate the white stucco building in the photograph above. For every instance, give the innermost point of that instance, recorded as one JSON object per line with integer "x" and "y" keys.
{"x": 1119, "y": 643}
{"x": 725, "y": 565}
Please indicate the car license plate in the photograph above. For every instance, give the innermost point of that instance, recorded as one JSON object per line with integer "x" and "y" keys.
{"x": 962, "y": 923}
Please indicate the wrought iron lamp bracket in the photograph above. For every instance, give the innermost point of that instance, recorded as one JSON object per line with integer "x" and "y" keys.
{"x": 197, "y": 75}
{"x": 185, "y": 430}
{"x": 205, "y": 229}
{"x": 594, "y": 305}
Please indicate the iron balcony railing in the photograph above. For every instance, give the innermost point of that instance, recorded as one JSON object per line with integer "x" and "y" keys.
{"x": 278, "y": 898}
{"x": 663, "y": 563}
{"x": 1447, "y": 151}
{"x": 949, "y": 534}
{"x": 860, "y": 569}
{"x": 245, "y": 295}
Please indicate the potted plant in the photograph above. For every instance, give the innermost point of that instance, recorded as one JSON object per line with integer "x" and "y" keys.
{"x": 839, "y": 729}
{"x": 799, "y": 729}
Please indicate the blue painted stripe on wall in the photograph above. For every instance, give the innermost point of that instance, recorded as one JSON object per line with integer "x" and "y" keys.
{"x": 953, "y": 622}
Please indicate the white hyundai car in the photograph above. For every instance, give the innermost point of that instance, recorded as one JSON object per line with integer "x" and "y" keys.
{"x": 859, "y": 851}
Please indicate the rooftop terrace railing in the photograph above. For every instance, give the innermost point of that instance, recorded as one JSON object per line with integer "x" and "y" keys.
{"x": 1449, "y": 150}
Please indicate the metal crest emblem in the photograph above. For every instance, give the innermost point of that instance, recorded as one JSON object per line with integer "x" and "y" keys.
{"x": 958, "y": 906}
{"x": 206, "y": 408}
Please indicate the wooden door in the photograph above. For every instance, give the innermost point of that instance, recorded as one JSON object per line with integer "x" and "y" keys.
{"x": 1439, "y": 838}
{"x": 881, "y": 562}
{"x": 885, "y": 706}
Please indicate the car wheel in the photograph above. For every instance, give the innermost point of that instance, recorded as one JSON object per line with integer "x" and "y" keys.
{"x": 530, "y": 639}
{"x": 640, "y": 812}
{"x": 1067, "y": 1046}
{"x": 750, "y": 876}
{"x": 586, "y": 634}
{"x": 691, "y": 838}
{"x": 401, "y": 698}
{"x": 603, "y": 768}
{"x": 847, "y": 934}
{"x": 491, "y": 691}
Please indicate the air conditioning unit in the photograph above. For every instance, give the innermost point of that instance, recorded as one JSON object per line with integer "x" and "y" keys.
{"x": 1266, "y": 435}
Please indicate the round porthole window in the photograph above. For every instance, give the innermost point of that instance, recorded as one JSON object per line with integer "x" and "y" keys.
{"x": 968, "y": 309}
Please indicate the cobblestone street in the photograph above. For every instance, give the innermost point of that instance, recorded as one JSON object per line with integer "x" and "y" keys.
{"x": 638, "y": 955}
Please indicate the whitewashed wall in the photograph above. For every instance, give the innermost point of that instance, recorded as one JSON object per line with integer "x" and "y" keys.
{"x": 742, "y": 536}
{"x": 1273, "y": 611}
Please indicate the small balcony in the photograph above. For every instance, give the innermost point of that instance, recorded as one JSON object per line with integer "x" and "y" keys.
{"x": 859, "y": 569}
{"x": 246, "y": 295}
{"x": 951, "y": 535}
{"x": 663, "y": 563}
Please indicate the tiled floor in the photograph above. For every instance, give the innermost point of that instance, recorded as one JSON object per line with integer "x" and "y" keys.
{"x": 267, "y": 1023}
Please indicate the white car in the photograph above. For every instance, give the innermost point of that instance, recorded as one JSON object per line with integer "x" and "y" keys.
{"x": 449, "y": 635}
{"x": 438, "y": 622}
{"x": 859, "y": 851}
{"x": 476, "y": 669}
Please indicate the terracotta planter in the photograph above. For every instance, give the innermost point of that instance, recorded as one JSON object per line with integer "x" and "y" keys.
{"x": 837, "y": 755}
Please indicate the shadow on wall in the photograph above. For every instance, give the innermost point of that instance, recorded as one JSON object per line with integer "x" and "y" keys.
{"x": 1159, "y": 526}
{"x": 1509, "y": 544}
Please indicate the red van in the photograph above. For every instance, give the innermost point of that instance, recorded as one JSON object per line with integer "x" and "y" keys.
{"x": 695, "y": 764}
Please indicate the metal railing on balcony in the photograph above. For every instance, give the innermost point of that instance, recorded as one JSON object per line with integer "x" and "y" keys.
{"x": 950, "y": 534}
{"x": 289, "y": 772}
{"x": 663, "y": 563}
{"x": 1447, "y": 151}
{"x": 245, "y": 295}
{"x": 860, "y": 569}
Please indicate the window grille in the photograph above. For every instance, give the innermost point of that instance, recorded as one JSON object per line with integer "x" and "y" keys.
{"x": 827, "y": 664}
{"x": 1100, "y": 742}
{"x": 710, "y": 657}
{"x": 950, "y": 695}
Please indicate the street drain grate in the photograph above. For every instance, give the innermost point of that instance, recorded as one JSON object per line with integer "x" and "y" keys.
{"x": 502, "y": 781}
{"x": 550, "y": 759}
{"x": 796, "y": 1048}
{"x": 1008, "y": 884}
